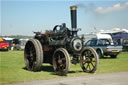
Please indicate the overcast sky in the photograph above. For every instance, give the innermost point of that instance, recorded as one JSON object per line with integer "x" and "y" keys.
{"x": 22, "y": 17}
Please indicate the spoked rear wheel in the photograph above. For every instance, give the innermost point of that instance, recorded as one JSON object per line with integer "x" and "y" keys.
{"x": 89, "y": 60}
{"x": 61, "y": 61}
{"x": 33, "y": 55}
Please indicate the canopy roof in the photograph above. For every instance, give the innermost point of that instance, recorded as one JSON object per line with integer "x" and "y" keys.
{"x": 120, "y": 36}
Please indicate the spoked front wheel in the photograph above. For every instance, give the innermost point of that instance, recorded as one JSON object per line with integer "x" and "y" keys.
{"x": 61, "y": 61}
{"x": 89, "y": 60}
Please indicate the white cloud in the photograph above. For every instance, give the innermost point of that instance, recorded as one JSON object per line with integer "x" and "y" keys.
{"x": 116, "y": 7}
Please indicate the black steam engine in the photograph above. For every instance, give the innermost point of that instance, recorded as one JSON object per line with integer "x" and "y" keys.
{"x": 60, "y": 47}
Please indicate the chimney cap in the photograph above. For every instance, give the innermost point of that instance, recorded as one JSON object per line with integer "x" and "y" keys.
{"x": 73, "y": 7}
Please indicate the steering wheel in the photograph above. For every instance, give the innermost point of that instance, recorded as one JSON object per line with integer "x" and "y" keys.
{"x": 57, "y": 28}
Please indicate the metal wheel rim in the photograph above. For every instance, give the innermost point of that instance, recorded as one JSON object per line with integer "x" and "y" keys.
{"x": 61, "y": 62}
{"x": 89, "y": 60}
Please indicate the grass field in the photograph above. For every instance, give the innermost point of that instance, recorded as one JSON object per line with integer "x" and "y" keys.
{"x": 12, "y": 68}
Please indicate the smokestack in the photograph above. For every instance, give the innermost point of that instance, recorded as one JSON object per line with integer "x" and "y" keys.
{"x": 73, "y": 10}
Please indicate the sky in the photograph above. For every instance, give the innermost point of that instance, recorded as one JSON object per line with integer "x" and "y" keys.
{"x": 23, "y": 17}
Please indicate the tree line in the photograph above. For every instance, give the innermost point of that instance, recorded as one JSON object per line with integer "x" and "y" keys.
{"x": 16, "y": 36}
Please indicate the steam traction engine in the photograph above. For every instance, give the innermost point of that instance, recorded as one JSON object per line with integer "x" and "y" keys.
{"x": 57, "y": 47}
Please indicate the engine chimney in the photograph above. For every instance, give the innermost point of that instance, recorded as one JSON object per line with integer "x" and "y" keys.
{"x": 73, "y": 10}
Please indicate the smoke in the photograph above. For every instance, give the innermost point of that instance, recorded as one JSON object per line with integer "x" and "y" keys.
{"x": 116, "y": 7}
{"x": 100, "y": 10}
{"x": 87, "y": 8}
{"x": 98, "y": 16}
{"x": 90, "y": 9}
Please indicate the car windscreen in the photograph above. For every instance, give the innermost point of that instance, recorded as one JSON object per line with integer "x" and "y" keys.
{"x": 16, "y": 41}
{"x": 103, "y": 42}
{"x": 91, "y": 42}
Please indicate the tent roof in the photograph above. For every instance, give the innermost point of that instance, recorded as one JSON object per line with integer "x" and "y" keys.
{"x": 120, "y": 36}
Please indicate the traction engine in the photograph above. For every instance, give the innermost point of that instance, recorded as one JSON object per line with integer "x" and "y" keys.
{"x": 60, "y": 47}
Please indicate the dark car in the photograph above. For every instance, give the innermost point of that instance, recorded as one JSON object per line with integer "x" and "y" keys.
{"x": 16, "y": 44}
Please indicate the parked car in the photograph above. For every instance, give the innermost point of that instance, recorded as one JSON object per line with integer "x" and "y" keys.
{"x": 22, "y": 43}
{"x": 104, "y": 47}
{"x": 3, "y": 45}
{"x": 10, "y": 41}
{"x": 19, "y": 44}
{"x": 16, "y": 44}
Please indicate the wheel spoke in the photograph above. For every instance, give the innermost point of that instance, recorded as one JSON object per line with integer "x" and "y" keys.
{"x": 59, "y": 57}
{"x": 89, "y": 66}
{"x": 31, "y": 64}
{"x": 92, "y": 64}
{"x": 84, "y": 61}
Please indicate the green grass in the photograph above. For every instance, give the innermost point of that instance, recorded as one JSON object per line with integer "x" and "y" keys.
{"x": 12, "y": 68}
